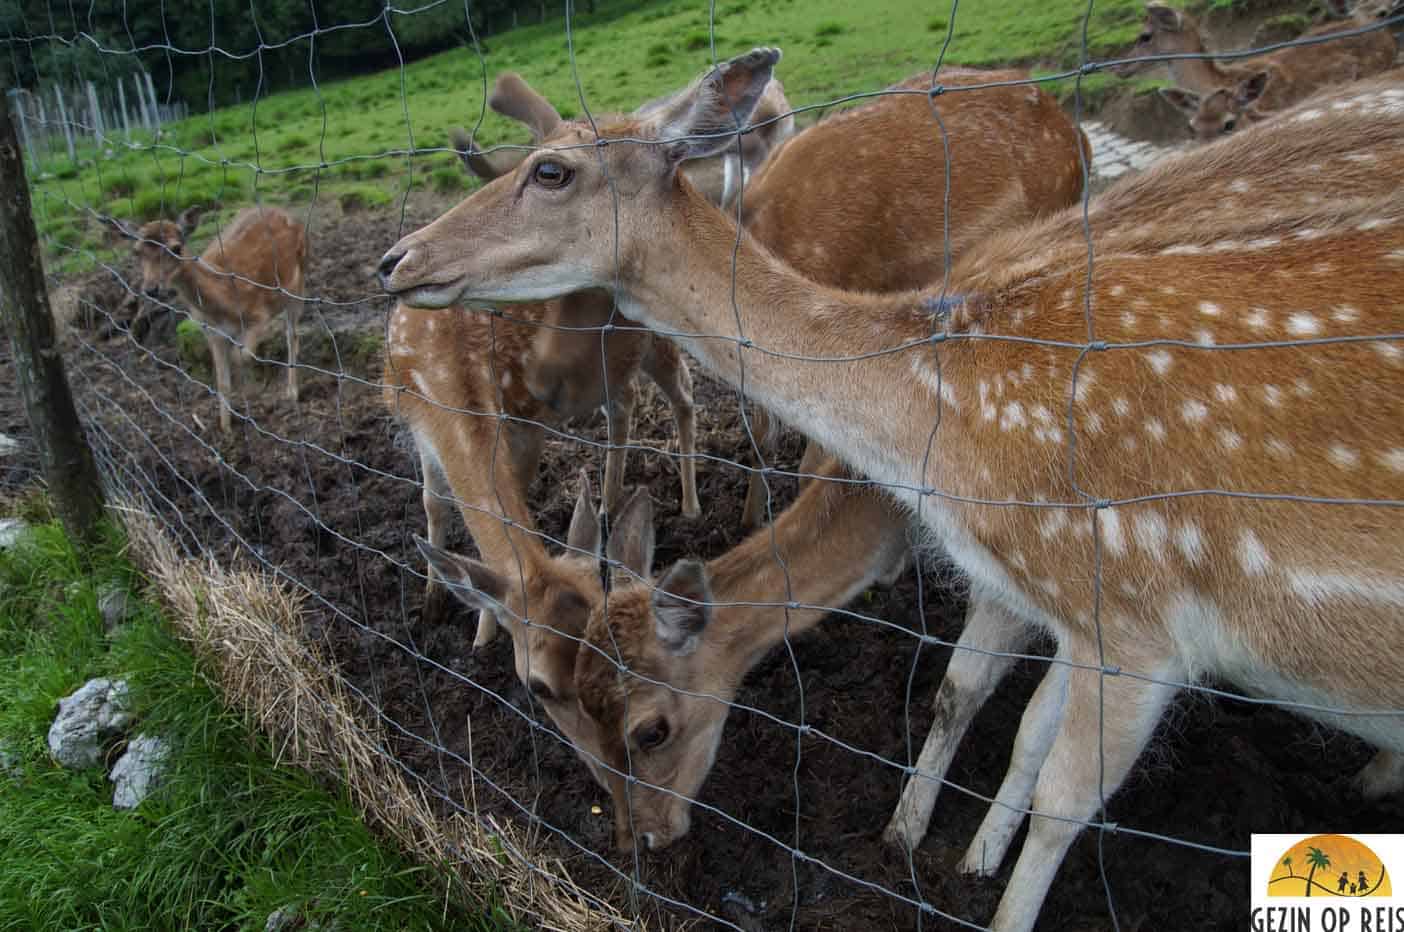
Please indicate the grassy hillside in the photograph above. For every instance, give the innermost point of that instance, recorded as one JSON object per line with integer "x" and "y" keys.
{"x": 347, "y": 141}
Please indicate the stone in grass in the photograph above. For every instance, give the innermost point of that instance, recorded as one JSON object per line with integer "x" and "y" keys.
{"x": 11, "y": 530}
{"x": 86, "y": 721}
{"x": 138, "y": 771}
{"x": 290, "y": 919}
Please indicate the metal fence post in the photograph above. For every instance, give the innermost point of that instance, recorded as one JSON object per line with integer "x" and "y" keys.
{"x": 63, "y": 448}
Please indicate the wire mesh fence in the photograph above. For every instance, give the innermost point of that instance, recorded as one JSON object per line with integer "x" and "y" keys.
{"x": 414, "y": 422}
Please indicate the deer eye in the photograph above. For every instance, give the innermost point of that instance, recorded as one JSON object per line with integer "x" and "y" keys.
{"x": 651, "y": 736}
{"x": 1229, "y": 124}
{"x": 552, "y": 174}
{"x": 1143, "y": 38}
{"x": 540, "y": 690}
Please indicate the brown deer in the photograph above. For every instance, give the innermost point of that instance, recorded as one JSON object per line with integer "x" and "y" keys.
{"x": 253, "y": 271}
{"x": 1219, "y": 98}
{"x": 1230, "y": 379}
{"x": 460, "y": 383}
{"x": 870, "y": 215}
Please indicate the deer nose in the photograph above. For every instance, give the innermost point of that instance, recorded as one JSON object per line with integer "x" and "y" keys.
{"x": 387, "y": 266}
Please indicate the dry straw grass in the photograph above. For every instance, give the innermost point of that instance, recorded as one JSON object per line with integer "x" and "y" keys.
{"x": 248, "y": 632}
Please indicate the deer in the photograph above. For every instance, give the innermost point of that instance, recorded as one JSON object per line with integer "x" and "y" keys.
{"x": 1217, "y": 98}
{"x": 1227, "y": 499}
{"x": 253, "y": 271}
{"x": 1014, "y": 154}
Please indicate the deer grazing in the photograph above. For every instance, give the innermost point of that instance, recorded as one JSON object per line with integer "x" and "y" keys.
{"x": 252, "y": 271}
{"x": 694, "y": 637}
{"x": 1218, "y": 98}
{"x": 1230, "y": 378}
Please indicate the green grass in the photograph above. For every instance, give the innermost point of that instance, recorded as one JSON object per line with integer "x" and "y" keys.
{"x": 627, "y": 53}
{"x": 228, "y": 839}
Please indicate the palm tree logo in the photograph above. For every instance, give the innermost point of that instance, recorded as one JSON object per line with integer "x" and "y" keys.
{"x": 1317, "y": 859}
{"x": 1362, "y": 873}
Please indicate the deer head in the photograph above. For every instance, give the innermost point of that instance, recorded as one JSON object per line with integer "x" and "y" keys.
{"x": 543, "y": 611}
{"x": 1166, "y": 31}
{"x": 480, "y": 250}
{"x": 159, "y": 247}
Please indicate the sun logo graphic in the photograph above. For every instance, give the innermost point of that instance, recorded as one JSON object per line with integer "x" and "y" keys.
{"x": 1325, "y": 883}
{"x": 1329, "y": 865}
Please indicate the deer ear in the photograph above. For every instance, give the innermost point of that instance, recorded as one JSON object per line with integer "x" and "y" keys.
{"x": 475, "y": 584}
{"x": 1181, "y": 99}
{"x": 682, "y": 607}
{"x": 189, "y": 219}
{"x": 485, "y": 165}
{"x": 1164, "y": 17}
{"x": 721, "y": 101}
{"x": 584, "y": 532}
{"x": 631, "y": 538}
{"x": 514, "y": 98}
{"x": 1250, "y": 89}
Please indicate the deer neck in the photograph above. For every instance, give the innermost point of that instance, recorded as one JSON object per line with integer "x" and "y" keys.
{"x": 875, "y": 408}
{"x": 1201, "y": 75}
{"x": 828, "y": 547}
{"x": 201, "y": 288}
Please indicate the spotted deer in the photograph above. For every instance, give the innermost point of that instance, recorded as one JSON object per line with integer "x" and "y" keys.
{"x": 1219, "y": 98}
{"x": 253, "y": 271}
{"x": 460, "y": 383}
{"x": 1181, "y": 464}
{"x": 858, "y": 201}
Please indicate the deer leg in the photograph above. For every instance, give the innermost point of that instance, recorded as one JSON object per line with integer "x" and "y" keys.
{"x": 976, "y": 667}
{"x": 438, "y": 511}
{"x": 220, "y": 356}
{"x": 290, "y": 321}
{"x": 811, "y": 462}
{"x": 1037, "y": 729}
{"x": 1383, "y": 776}
{"x": 619, "y": 415}
{"x": 669, "y": 371}
{"x": 524, "y": 441}
{"x": 1106, "y": 723}
{"x": 764, "y": 429}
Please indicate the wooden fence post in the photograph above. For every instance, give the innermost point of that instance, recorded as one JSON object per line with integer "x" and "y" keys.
{"x": 63, "y": 449}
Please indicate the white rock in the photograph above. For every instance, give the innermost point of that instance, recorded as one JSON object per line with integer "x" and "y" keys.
{"x": 138, "y": 771}
{"x": 87, "y": 721}
{"x": 11, "y": 530}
